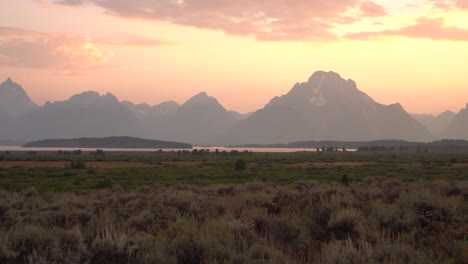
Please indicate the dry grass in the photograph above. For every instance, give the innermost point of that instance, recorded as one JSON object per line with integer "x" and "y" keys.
{"x": 310, "y": 222}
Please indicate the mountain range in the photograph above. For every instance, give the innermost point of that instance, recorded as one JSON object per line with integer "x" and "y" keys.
{"x": 325, "y": 107}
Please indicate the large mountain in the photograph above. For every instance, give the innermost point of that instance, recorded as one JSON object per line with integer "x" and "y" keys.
{"x": 436, "y": 124}
{"x": 14, "y": 104}
{"x": 84, "y": 115}
{"x": 326, "y": 107}
{"x": 458, "y": 128}
{"x": 14, "y": 101}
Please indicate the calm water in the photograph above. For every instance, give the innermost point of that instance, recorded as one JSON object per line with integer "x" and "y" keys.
{"x": 212, "y": 149}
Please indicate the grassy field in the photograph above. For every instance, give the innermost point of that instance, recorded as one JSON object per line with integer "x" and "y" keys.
{"x": 252, "y": 208}
{"x": 53, "y": 171}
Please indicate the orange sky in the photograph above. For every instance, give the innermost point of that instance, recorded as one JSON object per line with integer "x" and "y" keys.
{"x": 241, "y": 52}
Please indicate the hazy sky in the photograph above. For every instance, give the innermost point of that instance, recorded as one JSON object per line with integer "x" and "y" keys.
{"x": 242, "y": 52}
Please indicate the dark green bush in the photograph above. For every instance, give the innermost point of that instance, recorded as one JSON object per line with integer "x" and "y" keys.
{"x": 103, "y": 184}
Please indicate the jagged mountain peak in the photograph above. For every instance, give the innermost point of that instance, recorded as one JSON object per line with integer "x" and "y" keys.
{"x": 8, "y": 81}
{"x": 131, "y": 104}
{"x": 323, "y": 89}
{"x": 200, "y": 96}
{"x": 165, "y": 108}
{"x": 14, "y": 101}
{"x": 170, "y": 103}
{"x": 396, "y": 106}
{"x": 202, "y": 100}
{"x": 11, "y": 88}
{"x": 447, "y": 114}
{"x": 90, "y": 97}
{"x": 324, "y": 74}
{"x": 325, "y": 80}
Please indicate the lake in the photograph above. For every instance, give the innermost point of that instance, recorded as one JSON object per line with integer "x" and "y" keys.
{"x": 212, "y": 149}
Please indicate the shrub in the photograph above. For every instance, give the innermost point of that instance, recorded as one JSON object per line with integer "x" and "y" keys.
{"x": 49, "y": 245}
{"x": 188, "y": 251}
{"x": 346, "y": 252}
{"x": 260, "y": 253}
{"x": 104, "y": 184}
{"x": 385, "y": 252}
{"x": 343, "y": 222}
{"x": 284, "y": 232}
{"x": 251, "y": 223}
{"x": 240, "y": 165}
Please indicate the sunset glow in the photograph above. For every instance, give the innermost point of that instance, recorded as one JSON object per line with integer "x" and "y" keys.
{"x": 241, "y": 52}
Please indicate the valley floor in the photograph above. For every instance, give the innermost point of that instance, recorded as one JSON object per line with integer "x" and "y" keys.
{"x": 391, "y": 207}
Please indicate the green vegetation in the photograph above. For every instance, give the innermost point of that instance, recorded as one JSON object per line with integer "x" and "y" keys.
{"x": 81, "y": 171}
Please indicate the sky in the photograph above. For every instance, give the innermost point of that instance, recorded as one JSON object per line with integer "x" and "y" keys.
{"x": 242, "y": 52}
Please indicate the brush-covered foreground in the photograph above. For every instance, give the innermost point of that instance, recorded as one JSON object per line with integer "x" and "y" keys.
{"x": 306, "y": 222}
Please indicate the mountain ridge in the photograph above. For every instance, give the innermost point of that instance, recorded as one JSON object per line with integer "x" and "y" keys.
{"x": 325, "y": 107}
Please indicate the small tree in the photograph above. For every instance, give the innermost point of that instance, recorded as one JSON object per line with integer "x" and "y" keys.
{"x": 240, "y": 165}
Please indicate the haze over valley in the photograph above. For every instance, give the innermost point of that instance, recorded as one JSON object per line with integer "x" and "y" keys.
{"x": 325, "y": 107}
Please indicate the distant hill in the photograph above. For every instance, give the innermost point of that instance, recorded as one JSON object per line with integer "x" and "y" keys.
{"x": 326, "y": 107}
{"x": 12, "y": 143}
{"x": 107, "y": 142}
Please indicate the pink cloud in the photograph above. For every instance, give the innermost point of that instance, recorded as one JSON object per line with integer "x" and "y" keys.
{"x": 69, "y": 54}
{"x": 17, "y": 33}
{"x": 132, "y": 40}
{"x": 72, "y": 55}
{"x": 265, "y": 20}
{"x": 428, "y": 28}
{"x": 371, "y": 9}
{"x": 449, "y": 4}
